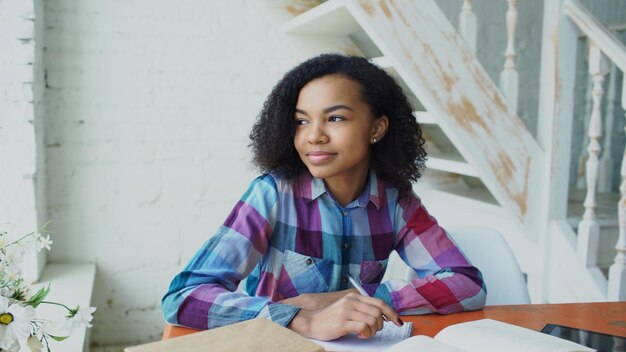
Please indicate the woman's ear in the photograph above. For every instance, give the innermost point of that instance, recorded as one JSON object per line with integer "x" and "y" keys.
{"x": 379, "y": 129}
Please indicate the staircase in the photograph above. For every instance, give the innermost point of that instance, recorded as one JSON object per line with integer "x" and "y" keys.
{"x": 484, "y": 166}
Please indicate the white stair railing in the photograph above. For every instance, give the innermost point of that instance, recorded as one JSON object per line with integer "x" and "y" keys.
{"x": 468, "y": 24}
{"x": 509, "y": 79}
{"x": 588, "y": 228}
{"x": 604, "y": 45}
{"x": 582, "y": 159}
{"x": 617, "y": 272}
{"x": 605, "y": 181}
{"x": 433, "y": 71}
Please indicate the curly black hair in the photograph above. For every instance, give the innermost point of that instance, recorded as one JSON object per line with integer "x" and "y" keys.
{"x": 398, "y": 158}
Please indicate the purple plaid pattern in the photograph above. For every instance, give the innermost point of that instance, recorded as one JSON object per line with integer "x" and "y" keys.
{"x": 285, "y": 238}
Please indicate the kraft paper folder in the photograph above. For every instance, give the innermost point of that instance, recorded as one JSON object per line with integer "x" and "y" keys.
{"x": 252, "y": 335}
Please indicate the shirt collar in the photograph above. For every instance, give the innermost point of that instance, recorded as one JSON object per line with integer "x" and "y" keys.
{"x": 372, "y": 192}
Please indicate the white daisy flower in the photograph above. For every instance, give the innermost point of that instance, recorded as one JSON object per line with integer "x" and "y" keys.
{"x": 11, "y": 264}
{"x": 6, "y": 292}
{"x": 44, "y": 242}
{"x": 14, "y": 323}
{"x": 78, "y": 318}
{"x": 34, "y": 344}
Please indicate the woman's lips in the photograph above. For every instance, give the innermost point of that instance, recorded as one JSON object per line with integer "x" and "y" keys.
{"x": 319, "y": 157}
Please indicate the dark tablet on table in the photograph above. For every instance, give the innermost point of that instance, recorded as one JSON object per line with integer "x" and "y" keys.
{"x": 592, "y": 339}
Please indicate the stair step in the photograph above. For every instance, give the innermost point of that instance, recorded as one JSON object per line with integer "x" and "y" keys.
{"x": 606, "y": 209}
{"x": 381, "y": 61}
{"x": 442, "y": 154}
{"x": 603, "y": 222}
{"x": 474, "y": 196}
{"x": 385, "y": 63}
{"x": 425, "y": 118}
{"x": 329, "y": 18}
{"x": 449, "y": 162}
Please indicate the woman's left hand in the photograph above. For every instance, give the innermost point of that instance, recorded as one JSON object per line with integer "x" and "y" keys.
{"x": 316, "y": 301}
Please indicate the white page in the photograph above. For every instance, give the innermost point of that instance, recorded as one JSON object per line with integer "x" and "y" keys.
{"x": 491, "y": 335}
{"x": 387, "y": 337}
{"x": 422, "y": 343}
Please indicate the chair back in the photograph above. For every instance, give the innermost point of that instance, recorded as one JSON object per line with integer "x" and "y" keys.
{"x": 487, "y": 250}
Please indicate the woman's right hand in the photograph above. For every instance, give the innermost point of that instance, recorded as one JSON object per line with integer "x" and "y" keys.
{"x": 352, "y": 314}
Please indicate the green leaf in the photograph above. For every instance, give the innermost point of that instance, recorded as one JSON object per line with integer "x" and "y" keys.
{"x": 59, "y": 338}
{"x": 38, "y": 297}
{"x": 19, "y": 295}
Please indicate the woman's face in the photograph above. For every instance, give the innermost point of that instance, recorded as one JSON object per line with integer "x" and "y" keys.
{"x": 335, "y": 128}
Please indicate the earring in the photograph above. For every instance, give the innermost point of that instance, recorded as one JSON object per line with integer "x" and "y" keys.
{"x": 374, "y": 140}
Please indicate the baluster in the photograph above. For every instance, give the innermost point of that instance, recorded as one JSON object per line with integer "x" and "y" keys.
{"x": 467, "y": 24}
{"x": 605, "y": 181}
{"x": 509, "y": 79}
{"x": 618, "y": 344}
{"x": 617, "y": 272}
{"x": 580, "y": 175}
{"x": 588, "y": 228}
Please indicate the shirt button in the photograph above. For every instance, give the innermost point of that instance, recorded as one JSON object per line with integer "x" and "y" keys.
{"x": 344, "y": 280}
{"x": 344, "y": 213}
{"x": 346, "y": 246}
{"x": 309, "y": 261}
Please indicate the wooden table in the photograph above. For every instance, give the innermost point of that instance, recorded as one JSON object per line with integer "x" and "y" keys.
{"x": 605, "y": 317}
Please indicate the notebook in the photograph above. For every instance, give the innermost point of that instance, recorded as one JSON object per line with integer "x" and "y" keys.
{"x": 387, "y": 337}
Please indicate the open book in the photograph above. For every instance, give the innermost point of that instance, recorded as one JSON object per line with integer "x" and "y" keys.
{"x": 487, "y": 335}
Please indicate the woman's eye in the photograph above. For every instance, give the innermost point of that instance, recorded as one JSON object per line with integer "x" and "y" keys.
{"x": 335, "y": 118}
{"x": 301, "y": 122}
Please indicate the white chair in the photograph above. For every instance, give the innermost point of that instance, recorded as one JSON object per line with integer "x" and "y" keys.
{"x": 487, "y": 250}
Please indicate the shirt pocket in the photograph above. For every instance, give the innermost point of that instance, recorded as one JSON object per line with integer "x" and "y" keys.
{"x": 303, "y": 274}
{"x": 372, "y": 271}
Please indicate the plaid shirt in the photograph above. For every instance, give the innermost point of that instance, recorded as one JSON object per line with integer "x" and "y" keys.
{"x": 288, "y": 238}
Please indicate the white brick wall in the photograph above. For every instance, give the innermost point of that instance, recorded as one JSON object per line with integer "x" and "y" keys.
{"x": 148, "y": 108}
{"x": 18, "y": 159}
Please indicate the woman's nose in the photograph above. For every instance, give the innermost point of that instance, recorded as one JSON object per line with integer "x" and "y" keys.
{"x": 317, "y": 134}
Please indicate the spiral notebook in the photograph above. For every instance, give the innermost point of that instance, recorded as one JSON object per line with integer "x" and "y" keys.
{"x": 387, "y": 337}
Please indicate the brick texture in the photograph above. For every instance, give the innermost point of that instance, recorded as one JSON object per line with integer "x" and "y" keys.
{"x": 148, "y": 105}
{"x": 18, "y": 155}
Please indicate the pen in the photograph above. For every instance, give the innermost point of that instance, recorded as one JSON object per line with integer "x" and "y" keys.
{"x": 357, "y": 286}
{"x": 361, "y": 290}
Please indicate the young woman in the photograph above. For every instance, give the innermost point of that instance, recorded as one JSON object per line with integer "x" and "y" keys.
{"x": 339, "y": 148}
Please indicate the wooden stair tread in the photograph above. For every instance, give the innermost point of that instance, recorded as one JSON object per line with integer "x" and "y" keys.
{"x": 381, "y": 61}
{"x": 424, "y": 117}
{"x": 329, "y": 18}
{"x": 475, "y": 194}
{"x": 449, "y": 162}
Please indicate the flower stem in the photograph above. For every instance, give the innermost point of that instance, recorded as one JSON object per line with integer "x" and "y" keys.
{"x": 18, "y": 240}
{"x": 27, "y": 235}
{"x": 57, "y": 304}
